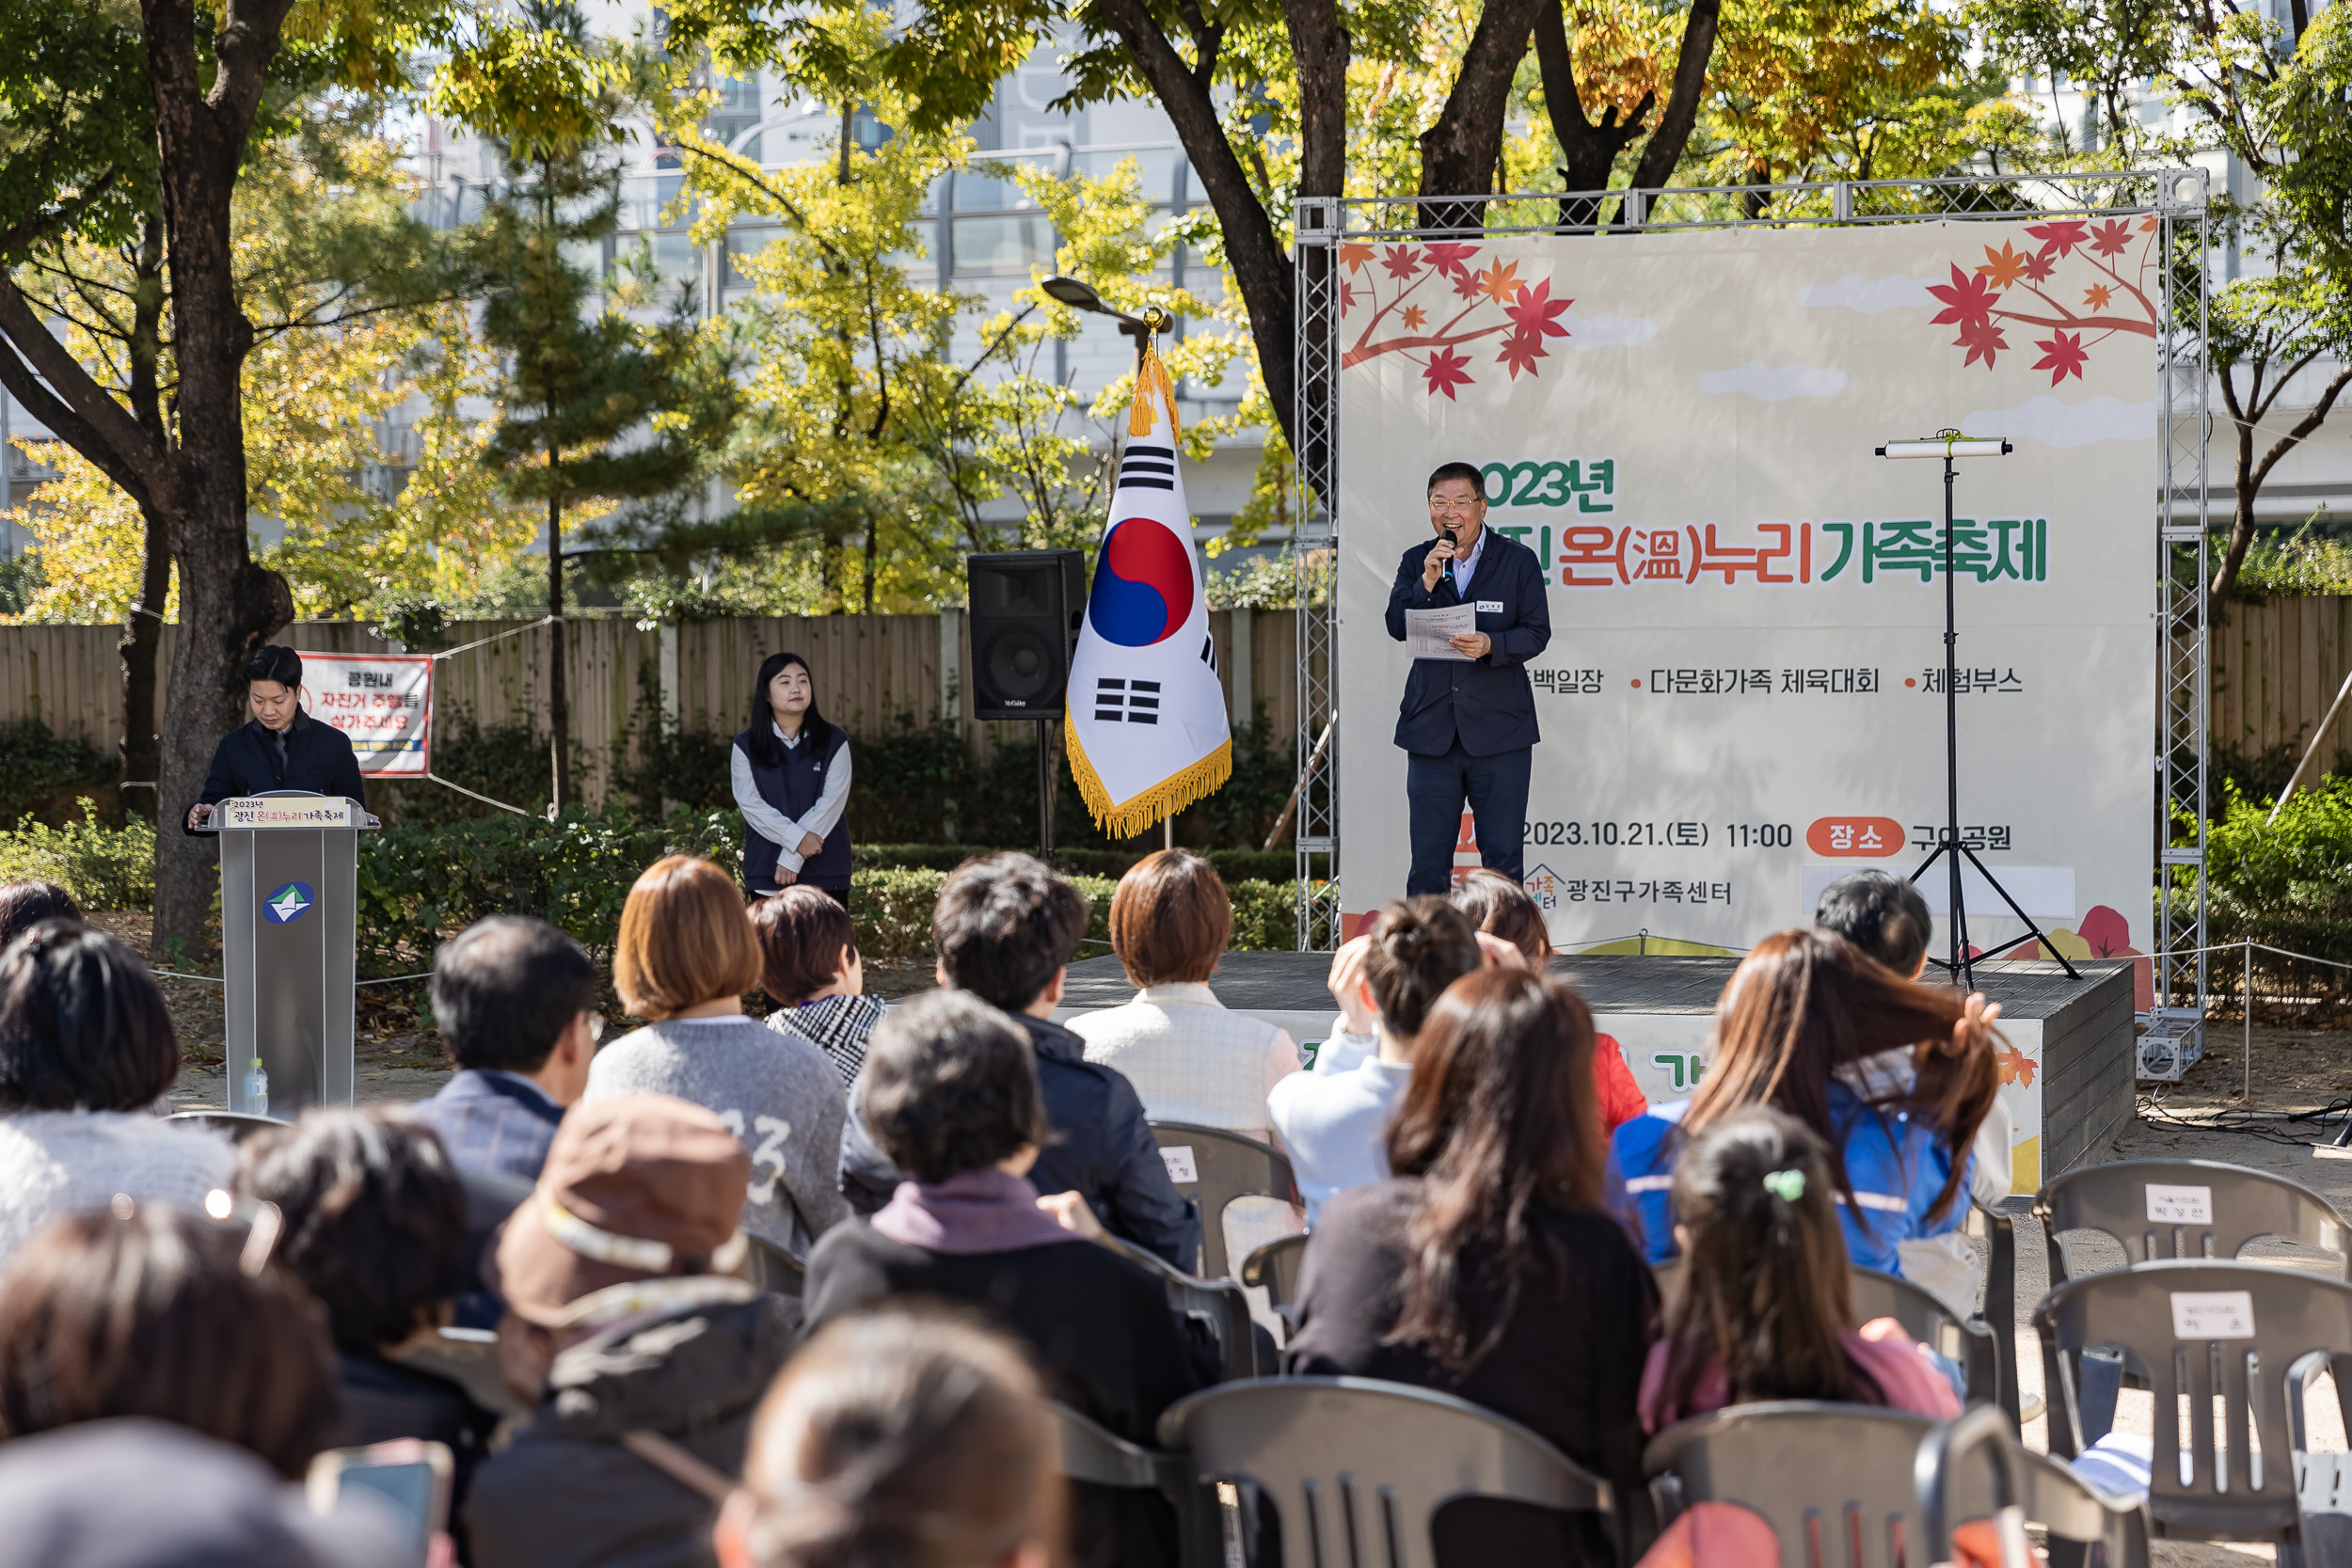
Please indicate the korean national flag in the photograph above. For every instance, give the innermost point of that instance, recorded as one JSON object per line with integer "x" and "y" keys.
{"x": 1146, "y": 726}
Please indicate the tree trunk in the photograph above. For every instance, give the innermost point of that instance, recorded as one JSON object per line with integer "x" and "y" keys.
{"x": 559, "y": 711}
{"x": 228, "y": 606}
{"x": 1664, "y": 149}
{"x": 1459, "y": 153}
{"x": 1590, "y": 150}
{"x": 1320, "y": 47}
{"x": 142, "y": 639}
{"x": 2248, "y": 415}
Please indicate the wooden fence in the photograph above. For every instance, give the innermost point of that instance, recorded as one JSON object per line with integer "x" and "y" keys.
{"x": 2276, "y": 669}
{"x": 868, "y": 669}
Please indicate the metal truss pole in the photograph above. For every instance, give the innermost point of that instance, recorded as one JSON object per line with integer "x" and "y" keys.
{"x": 1314, "y": 549}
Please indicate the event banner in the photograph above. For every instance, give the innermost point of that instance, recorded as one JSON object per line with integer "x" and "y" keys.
{"x": 1743, "y": 696}
{"x": 382, "y": 702}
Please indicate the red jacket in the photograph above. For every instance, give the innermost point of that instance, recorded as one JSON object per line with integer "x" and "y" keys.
{"x": 1621, "y": 1097}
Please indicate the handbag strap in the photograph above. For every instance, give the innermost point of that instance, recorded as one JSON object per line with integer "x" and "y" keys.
{"x": 681, "y": 1465}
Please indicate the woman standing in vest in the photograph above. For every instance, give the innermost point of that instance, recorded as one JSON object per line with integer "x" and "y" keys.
{"x": 792, "y": 782}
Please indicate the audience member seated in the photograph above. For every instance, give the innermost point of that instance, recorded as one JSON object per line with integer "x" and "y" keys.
{"x": 685, "y": 958}
{"x": 810, "y": 969}
{"x": 516, "y": 1002}
{"x": 1488, "y": 1266}
{"x": 952, "y": 1097}
{"x": 87, "y": 1055}
{"x": 26, "y": 904}
{"x": 1884, "y": 915}
{"x": 629, "y": 1336}
{"x": 1003, "y": 929}
{"x": 1499, "y": 906}
{"x": 910, "y": 1439}
{"x": 191, "y": 1503}
{"x": 376, "y": 1226}
{"x": 1332, "y": 1125}
{"x": 1765, "y": 1306}
{"x": 153, "y": 1309}
{"x": 1189, "y": 1058}
{"x": 1800, "y": 1006}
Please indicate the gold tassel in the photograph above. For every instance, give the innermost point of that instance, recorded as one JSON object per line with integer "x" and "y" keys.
{"x": 1136, "y": 815}
{"x": 1151, "y": 377}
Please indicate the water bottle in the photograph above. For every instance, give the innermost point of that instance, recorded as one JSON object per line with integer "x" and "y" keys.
{"x": 257, "y": 1090}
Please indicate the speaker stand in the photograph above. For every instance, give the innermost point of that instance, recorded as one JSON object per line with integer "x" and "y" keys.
{"x": 1045, "y": 790}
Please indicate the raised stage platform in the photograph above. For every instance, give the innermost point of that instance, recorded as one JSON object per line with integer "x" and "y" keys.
{"x": 2066, "y": 1077}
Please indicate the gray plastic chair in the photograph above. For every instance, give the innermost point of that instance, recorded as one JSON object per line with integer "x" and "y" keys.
{"x": 2240, "y": 1492}
{"x": 1276, "y": 1267}
{"x": 1226, "y": 1165}
{"x": 1999, "y": 1315}
{"x": 236, "y": 1126}
{"x": 2243, "y": 1205}
{"x": 1841, "y": 1484}
{"x": 1356, "y": 1470}
{"x": 1922, "y": 1315}
{"x": 1974, "y": 1467}
{"x": 774, "y": 1270}
{"x": 1218, "y": 1304}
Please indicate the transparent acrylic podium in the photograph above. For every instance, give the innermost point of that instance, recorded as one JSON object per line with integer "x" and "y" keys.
{"x": 289, "y": 921}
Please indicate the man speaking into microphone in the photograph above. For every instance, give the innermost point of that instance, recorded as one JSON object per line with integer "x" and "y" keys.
{"x": 1468, "y": 723}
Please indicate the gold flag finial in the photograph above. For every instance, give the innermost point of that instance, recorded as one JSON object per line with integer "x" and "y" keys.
{"x": 1151, "y": 375}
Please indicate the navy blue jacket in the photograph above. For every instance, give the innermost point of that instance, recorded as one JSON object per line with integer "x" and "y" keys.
{"x": 1488, "y": 704}
{"x": 1101, "y": 1150}
{"x": 792, "y": 787}
{"x": 318, "y": 758}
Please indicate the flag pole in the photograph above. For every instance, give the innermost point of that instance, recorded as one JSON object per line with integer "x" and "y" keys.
{"x": 1153, "y": 320}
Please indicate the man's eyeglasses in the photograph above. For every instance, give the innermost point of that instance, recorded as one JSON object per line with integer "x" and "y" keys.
{"x": 1437, "y": 505}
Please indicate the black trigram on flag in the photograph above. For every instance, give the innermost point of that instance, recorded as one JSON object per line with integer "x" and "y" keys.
{"x": 1208, "y": 652}
{"x": 1136, "y": 702}
{"x": 1148, "y": 468}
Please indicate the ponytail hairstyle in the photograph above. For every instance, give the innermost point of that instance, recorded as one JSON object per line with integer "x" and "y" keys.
{"x": 1805, "y": 1002}
{"x": 899, "y": 1438}
{"x": 1499, "y": 1120}
{"x": 816, "y": 730}
{"x": 1765, "y": 1291}
{"x": 1502, "y": 907}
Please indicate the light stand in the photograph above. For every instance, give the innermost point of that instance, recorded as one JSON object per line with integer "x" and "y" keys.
{"x": 1950, "y": 444}
{"x": 1079, "y": 296}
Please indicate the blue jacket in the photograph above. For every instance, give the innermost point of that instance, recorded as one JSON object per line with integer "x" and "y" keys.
{"x": 318, "y": 758}
{"x": 1487, "y": 703}
{"x": 492, "y": 1121}
{"x": 1101, "y": 1150}
{"x": 1893, "y": 1162}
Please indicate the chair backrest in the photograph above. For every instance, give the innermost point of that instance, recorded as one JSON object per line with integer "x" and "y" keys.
{"x": 2000, "y": 1302}
{"x": 1213, "y": 1167}
{"x": 2191, "y": 1209}
{"x": 1970, "y": 1467}
{"x": 773, "y": 1269}
{"x": 1218, "y": 1304}
{"x": 1922, "y": 1315}
{"x": 1841, "y": 1484}
{"x": 1276, "y": 1267}
{"x": 2198, "y": 1332}
{"x": 1093, "y": 1452}
{"x": 1356, "y": 1470}
{"x": 236, "y": 1126}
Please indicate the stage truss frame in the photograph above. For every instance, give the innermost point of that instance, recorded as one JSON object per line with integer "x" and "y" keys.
{"x": 2172, "y": 1028}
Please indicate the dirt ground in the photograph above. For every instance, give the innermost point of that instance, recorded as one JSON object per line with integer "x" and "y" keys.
{"x": 397, "y": 1059}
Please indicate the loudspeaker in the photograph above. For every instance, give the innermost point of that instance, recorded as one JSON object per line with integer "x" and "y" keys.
{"x": 1027, "y": 608}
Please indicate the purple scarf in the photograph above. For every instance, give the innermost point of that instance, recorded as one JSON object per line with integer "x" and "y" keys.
{"x": 981, "y": 1210}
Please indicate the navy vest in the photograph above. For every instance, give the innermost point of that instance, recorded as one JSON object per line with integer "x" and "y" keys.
{"x": 792, "y": 788}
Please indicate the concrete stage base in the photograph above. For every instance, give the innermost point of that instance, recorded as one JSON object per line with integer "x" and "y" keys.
{"x": 2066, "y": 1073}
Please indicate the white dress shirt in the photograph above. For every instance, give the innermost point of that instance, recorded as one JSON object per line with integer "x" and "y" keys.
{"x": 1466, "y": 566}
{"x": 771, "y": 824}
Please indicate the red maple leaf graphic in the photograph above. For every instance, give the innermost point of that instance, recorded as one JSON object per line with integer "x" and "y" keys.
{"x": 1348, "y": 296}
{"x": 2039, "y": 268}
{"x": 1534, "y": 309}
{"x": 2060, "y": 237}
{"x": 2062, "y": 356}
{"x": 1415, "y": 318}
{"x": 1445, "y": 370}
{"x": 1969, "y": 300}
{"x": 2111, "y": 237}
{"x": 1982, "y": 339}
{"x": 2016, "y": 1066}
{"x": 1447, "y": 258}
{"x": 1521, "y": 349}
{"x": 1400, "y": 261}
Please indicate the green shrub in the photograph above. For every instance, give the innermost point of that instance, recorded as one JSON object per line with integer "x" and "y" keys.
{"x": 2287, "y": 884}
{"x": 53, "y": 778}
{"x": 1265, "y": 916}
{"x": 104, "y": 867}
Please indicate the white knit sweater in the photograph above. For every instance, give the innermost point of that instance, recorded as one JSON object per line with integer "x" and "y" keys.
{"x": 58, "y": 1163}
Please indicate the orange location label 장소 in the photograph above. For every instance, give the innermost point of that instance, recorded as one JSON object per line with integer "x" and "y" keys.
{"x": 1855, "y": 835}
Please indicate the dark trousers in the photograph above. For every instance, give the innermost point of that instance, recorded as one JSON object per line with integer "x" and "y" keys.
{"x": 1496, "y": 789}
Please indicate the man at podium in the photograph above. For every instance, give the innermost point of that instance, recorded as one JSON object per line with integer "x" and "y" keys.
{"x": 283, "y": 748}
